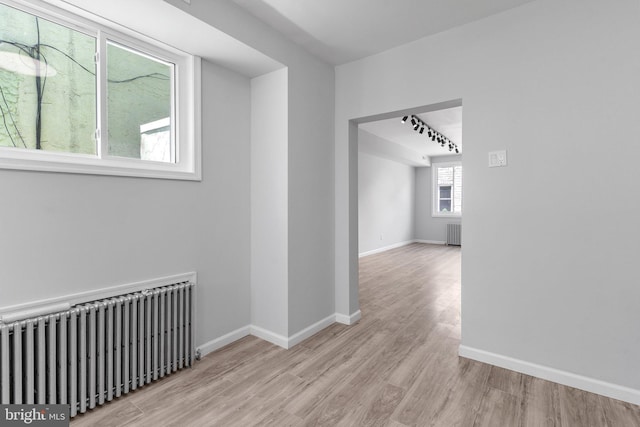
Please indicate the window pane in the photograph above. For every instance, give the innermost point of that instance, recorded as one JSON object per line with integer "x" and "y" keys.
{"x": 445, "y": 176}
{"x": 445, "y": 205}
{"x": 445, "y": 192}
{"x": 47, "y": 85}
{"x": 139, "y": 99}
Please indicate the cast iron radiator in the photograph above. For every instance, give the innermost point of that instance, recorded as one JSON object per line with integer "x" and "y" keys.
{"x": 97, "y": 351}
{"x": 454, "y": 234}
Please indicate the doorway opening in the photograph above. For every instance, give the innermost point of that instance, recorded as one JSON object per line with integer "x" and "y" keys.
{"x": 408, "y": 187}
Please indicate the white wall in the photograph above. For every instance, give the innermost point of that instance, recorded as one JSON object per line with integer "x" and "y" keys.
{"x": 269, "y": 202}
{"x": 556, "y": 84}
{"x": 386, "y": 202}
{"x": 67, "y": 233}
{"x": 310, "y": 220}
{"x": 430, "y": 228}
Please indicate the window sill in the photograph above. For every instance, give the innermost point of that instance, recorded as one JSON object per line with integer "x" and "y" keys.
{"x": 439, "y": 215}
{"x": 89, "y": 165}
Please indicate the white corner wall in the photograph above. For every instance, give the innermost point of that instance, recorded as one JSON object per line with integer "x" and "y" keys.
{"x": 269, "y": 202}
{"x": 555, "y": 83}
{"x": 310, "y": 220}
{"x": 386, "y": 203}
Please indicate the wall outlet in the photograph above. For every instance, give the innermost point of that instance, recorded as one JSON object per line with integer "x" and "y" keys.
{"x": 497, "y": 158}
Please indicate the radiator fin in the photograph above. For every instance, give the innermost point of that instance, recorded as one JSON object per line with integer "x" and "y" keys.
{"x": 95, "y": 352}
{"x": 454, "y": 234}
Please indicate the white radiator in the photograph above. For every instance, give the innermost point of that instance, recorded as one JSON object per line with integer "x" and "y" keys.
{"x": 454, "y": 234}
{"x": 95, "y": 352}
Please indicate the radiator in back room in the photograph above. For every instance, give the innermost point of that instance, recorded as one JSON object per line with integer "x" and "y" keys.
{"x": 95, "y": 352}
{"x": 454, "y": 234}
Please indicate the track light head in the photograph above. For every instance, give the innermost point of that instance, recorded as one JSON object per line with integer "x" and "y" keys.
{"x": 457, "y": 151}
{"x": 421, "y": 130}
{"x": 404, "y": 119}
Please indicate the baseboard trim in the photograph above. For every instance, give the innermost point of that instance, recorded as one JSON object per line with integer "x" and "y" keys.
{"x": 310, "y": 331}
{"x": 267, "y": 335}
{"x": 399, "y": 245}
{"x": 385, "y": 248}
{"x": 277, "y": 339}
{"x": 432, "y": 242}
{"x": 348, "y": 319}
{"x": 226, "y": 339}
{"x": 551, "y": 374}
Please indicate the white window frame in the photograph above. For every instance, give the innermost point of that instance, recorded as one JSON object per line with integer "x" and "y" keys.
{"x": 186, "y": 107}
{"x": 435, "y": 190}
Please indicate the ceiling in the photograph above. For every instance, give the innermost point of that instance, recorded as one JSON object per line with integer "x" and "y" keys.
{"x": 340, "y": 31}
{"x": 448, "y": 122}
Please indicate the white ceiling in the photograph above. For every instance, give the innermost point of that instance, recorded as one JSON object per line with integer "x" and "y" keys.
{"x": 448, "y": 122}
{"x": 341, "y": 31}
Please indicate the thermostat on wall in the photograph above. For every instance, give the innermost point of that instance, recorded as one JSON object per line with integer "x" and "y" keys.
{"x": 497, "y": 158}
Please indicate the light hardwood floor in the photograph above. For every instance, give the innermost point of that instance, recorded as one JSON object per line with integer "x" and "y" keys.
{"x": 397, "y": 367}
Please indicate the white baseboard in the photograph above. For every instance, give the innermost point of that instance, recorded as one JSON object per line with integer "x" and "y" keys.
{"x": 348, "y": 319}
{"x": 561, "y": 377}
{"x": 226, "y": 339}
{"x": 385, "y": 248}
{"x": 277, "y": 339}
{"x": 400, "y": 244}
{"x": 311, "y": 330}
{"x": 432, "y": 242}
{"x": 269, "y": 336}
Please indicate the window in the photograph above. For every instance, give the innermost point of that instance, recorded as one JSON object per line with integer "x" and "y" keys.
{"x": 447, "y": 189}
{"x": 76, "y": 96}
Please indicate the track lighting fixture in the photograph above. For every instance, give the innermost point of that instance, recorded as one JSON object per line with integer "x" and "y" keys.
{"x": 417, "y": 123}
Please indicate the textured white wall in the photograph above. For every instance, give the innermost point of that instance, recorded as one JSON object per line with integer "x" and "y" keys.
{"x": 556, "y": 84}
{"x": 386, "y": 202}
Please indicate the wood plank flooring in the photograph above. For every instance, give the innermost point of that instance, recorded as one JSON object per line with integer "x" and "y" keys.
{"x": 396, "y": 367}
